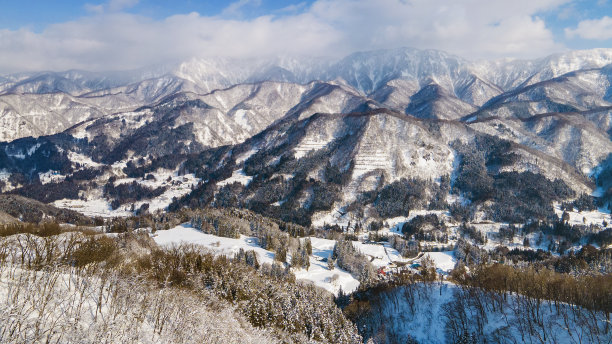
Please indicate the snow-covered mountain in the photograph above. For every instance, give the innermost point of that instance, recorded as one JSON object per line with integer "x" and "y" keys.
{"x": 401, "y": 79}
{"x": 373, "y": 118}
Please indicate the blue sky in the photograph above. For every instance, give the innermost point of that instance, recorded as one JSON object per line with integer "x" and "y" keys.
{"x": 125, "y": 34}
{"x": 37, "y": 14}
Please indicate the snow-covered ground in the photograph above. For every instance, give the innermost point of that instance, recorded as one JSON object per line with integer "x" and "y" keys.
{"x": 4, "y": 176}
{"x": 96, "y": 205}
{"x": 422, "y": 311}
{"x": 93, "y": 206}
{"x": 320, "y": 275}
{"x": 82, "y": 159}
{"x": 185, "y": 234}
{"x": 332, "y": 217}
{"x": 595, "y": 217}
{"x": 68, "y": 306}
{"x": 394, "y": 224}
{"x": 444, "y": 261}
{"x": 380, "y": 254}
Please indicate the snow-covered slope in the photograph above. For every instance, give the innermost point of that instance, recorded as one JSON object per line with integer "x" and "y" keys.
{"x": 223, "y": 117}
{"x": 442, "y": 313}
{"x": 376, "y": 117}
{"x": 390, "y": 77}
{"x": 509, "y": 74}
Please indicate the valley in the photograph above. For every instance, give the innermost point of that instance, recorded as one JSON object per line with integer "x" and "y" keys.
{"x": 385, "y": 186}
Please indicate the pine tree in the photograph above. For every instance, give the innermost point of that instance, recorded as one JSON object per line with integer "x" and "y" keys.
{"x": 308, "y": 245}
{"x": 305, "y": 259}
{"x": 281, "y": 254}
{"x": 330, "y": 262}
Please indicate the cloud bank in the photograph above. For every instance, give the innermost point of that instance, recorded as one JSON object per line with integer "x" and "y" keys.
{"x": 595, "y": 29}
{"x": 111, "y": 39}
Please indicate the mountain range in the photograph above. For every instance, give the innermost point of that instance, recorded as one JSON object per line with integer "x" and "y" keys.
{"x": 314, "y": 139}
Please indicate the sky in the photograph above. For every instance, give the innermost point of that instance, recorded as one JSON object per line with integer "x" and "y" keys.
{"x": 60, "y": 35}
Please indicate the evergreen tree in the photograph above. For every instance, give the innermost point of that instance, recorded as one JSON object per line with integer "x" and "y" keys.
{"x": 308, "y": 245}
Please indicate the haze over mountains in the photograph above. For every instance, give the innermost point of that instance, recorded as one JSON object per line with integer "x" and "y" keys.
{"x": 375, "y": 116}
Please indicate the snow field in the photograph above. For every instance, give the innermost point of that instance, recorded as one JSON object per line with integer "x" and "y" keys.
{"x": 595, "y": 217}
{"x": 444, "y": 261}
{"x": 380, "y": 254}
{"x": 185, "y": 234}
{"x": 318, "y": 273}
{"x": 307, "y": 145}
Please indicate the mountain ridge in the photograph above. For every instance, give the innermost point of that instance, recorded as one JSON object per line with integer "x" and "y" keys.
{"x": 304, "y": 150}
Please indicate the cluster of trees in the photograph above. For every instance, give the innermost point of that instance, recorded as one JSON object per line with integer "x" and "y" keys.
{"x": 229, "y": 196}
{"x": 533, "y": 305}
{"x": 604, "y": 180}
{"x": 265, "y": 300}
{"x": 300, "y": 256}
{"x": 350, "y": 259}
{"x": 525, "y": 196}
{"x": 470, "y": 254}
{"x": 142, "y": 166}
{"x": 399, "y": 197}
{"x": 277, "y": 236}
{"x": 583, "y": 203}
{"x": 50, "y": 192}
{"x": 29, "y": 210}
{"x": 334, "y": 175}
{"x": 587, "y": 260}
{"x": 589, "y": 291}
{"x": 472, "y": 233}
{"x": 421, "y": 224}
{"x": 217, "y": 225}
{"x": 59, "y": 303}
{"x": 266, "y": 295}
{"x": 158, "y": 138}
{"x": 68, "y": 188}
{"x": 407, "y": 248}
{"x": 45, "y": 229}
{"x": 269, "y": 193}
{"x": 41, "y": 155}
{"x": 602, "y": 238}
{"x": 517, "y": 196}
{"x": 561, "y": 228}
{"x": 472, "y": 177}
{"x": 210, "y": 164}
{"x": 462, "y": 212}
{"x": 247, "y": 257}
{"x": 129, "y": 192}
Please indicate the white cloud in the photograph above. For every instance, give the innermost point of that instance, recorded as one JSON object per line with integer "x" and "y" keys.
{"x": 596, "y": 29}
{"x": 111, "y": 39}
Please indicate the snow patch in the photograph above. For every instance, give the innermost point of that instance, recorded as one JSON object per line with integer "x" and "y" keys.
{"x": 238, "y": 176}
{"x": 242, "y": 119}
